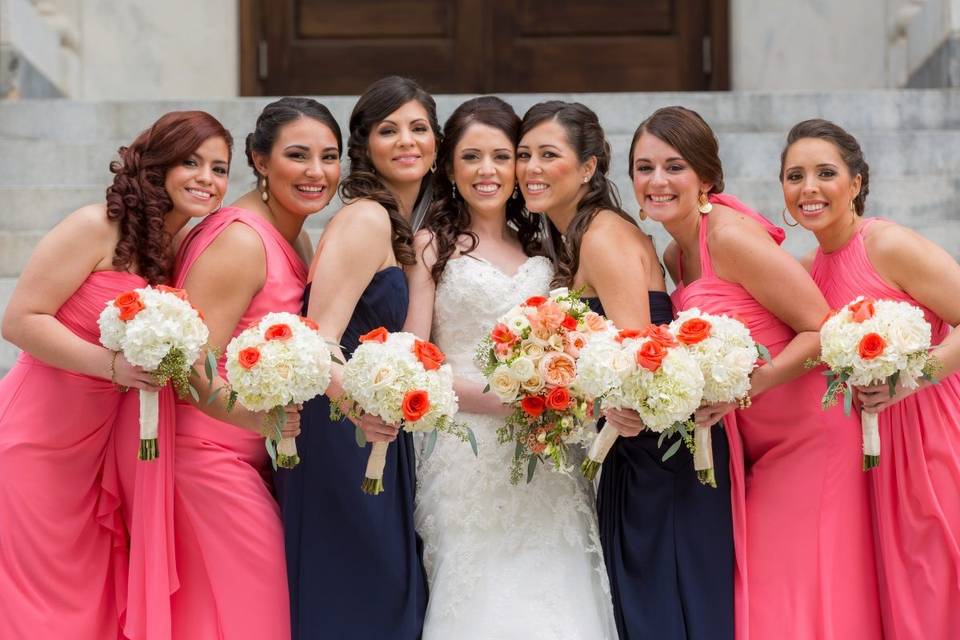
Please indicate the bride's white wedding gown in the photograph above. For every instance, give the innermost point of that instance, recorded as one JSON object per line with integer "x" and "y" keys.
{"x": 503, "y": 561}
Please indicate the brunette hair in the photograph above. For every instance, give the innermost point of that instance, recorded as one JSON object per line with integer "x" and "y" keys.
{"x": 688, "y": 133}
{"x": 449, "y": 217}
{"x": 845, "y": 143}
{"x": 587, "y": 139}
{"x": 137, "y": 199}
{"x": 281, "y": 112}
{"x": 382, "y": 98}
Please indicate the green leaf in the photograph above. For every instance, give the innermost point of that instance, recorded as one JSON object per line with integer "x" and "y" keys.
{"x": 272, "y": 452}
{"x": 213, "y": 396}
{"x": 672, "y": 450}
{"x": 663, "y": 436}
{"x": 336, "y": 360}
{"x": 471, "y": 436}
{"x": 847, "y": 400}
{"x": 231, "y": 400}
{"x": 193, "y": 393}
{"x": 765, "y": 354}
{"x": 209, "y": 366}
{"x": 486, "y": 389}
{"x": 892, "y": 382}
{"x": 360, "y": 437}
{"x": 531, "y": 467}
{"x": 596, "y": 408}
{"x": 518, "y": 451}
{"x": 429, "y": 444}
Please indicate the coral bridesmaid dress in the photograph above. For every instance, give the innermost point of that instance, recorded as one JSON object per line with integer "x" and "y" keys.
{"x": 914, "y": 491}
{"x": 805, "y": 565}
{"x": 61, "y": 536}
{"x": 214, "y": 567}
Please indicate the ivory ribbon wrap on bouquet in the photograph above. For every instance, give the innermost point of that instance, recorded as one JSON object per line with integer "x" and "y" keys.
{"x": 149, "y": 417}
{"x": 871, "y": 439}
{"x": 599, "y": 449}
{"x": 373, "y": 478}
{"x": 703, "y": 455}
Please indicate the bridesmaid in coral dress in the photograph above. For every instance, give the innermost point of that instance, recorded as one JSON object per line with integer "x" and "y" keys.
{"x": 62, "y": 541}
{"x": 224, "y": 576}
{"x": 804, "y": 548}
{"x": 916, "y": 504}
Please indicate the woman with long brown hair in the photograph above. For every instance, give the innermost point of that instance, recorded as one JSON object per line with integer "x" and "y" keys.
{"x": 61, "y": 547}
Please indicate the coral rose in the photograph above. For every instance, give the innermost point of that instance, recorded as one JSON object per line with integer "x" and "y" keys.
{"x": 693, "y": 331}
{"x": 309, "y": 324}
{"x": 533, "y": 406}
{"x": 659, "y": 334}
{"x": 129, "y": 304}
{"x": 650, "y": 356}
{"x": 871, "y": 346}
{"x": 377, "y": 335}
{"x": 548, "y": 316}
{"x": 278, "y": 332}
{"x": 558, "y": 369}
{"x": 416, "y": 404}
{"x": 179, "y": 293}
{"x": 626, "y": 334}
{"x": 428, "y": 354}
{"x": 558, "y": 399}
{"x": 501, "y": 334}
{"x": 248, "y": 357}
{"x": 862, "y": 310}
{"x": 569, "y": 323}
{"x": 535, "y": 301}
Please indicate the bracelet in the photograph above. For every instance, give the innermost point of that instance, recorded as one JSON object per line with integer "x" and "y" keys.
{"x": 745, "y": 402}
{"x": 113, "y": 373}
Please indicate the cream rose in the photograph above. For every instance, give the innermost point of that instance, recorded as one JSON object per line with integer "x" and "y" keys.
{"x": 503, "y": 384}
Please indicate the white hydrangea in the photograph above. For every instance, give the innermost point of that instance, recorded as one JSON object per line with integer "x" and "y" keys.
{"x": 289, "y": 369}
{"x": 727, "y": 356}
{"x": 602, "y": 365}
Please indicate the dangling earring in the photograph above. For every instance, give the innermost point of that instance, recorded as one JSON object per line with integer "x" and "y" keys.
{"x": 783, "y": 214}
{"x": 516, "y": 192}
{"x": 433, "y": 167}
{"x": 453, "y": 187}
{"x": 641, "y": 213}
{"x": 264, "y": 194}
{"x": 705, "y": 205}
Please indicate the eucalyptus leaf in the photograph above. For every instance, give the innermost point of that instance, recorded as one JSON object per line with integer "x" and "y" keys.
{"x": 663, "y": 436}
{"x": 193, "y": 392}
{"x": 765, "y": 354}
{"x": 672, "y": 450}
{"x": 429, "y": 444}
{"x": 847, "y": 400}
{"x": 209, "y": 366}
{"x": 213, "y": 395}
{"x": 486, "y": 389}
{"x": 359, "y": 437}
{"x": 272, "y": 452}
{"x": 472, "y": 438}
{"x": 531, "y": 467}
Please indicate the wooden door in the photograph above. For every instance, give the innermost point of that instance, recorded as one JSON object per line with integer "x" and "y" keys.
{"x": 324, "y": 47}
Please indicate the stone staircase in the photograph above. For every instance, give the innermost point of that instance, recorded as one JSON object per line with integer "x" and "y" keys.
{"x": 54, "y": 154}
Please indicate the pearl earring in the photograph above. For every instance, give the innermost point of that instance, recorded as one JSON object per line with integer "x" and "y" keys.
{"x": 264, "y": 194}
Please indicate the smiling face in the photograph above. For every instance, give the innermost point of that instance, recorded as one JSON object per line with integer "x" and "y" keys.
{"x": 483, "y": 168}
{"x": 197, "y": 185}
{"x": 402, "y": 146}
{"x": 666, "y": 186}
{"x": 818, "y": 189}
{"x": 551, "y": 176}
{"x": 303, "y": 167}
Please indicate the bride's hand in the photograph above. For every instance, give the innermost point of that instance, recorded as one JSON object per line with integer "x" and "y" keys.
{"x": 627, "y": 422}
{"x": 375, "y": 429}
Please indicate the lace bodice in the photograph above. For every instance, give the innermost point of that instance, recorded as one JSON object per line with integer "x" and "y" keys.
{"x": 470, "y": 297}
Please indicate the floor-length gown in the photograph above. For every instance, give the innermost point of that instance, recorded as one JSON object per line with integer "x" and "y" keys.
{"x": 667, "y": 538}
{"x": 805, "y": 563}
{"x": 228, "y": 579}
{"x": 61, "y": 536}
{"x": 914, "y": 490}
{"x": 354, "y": 560}
{"x": 503, "y": 561}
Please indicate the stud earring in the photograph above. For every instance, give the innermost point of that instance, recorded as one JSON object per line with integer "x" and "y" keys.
{"x": 783, "y": 214}
{"x": 586, "y": 179}
{"x": 264, "y": 193}
{"x": 704, "y": 204}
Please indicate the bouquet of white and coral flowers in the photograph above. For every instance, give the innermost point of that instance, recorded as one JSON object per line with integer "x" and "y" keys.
{"x": 278, "y": 361}
{"x": 648, "y": 371}
{"x": 871, "y": 342}
{"x": 155, "y": 328}
{"x": 530, "y": 362}
{"x": 727, "y": 355}
{"x": 402, "y": 380}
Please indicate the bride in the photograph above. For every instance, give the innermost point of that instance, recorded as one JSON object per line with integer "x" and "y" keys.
{"x": 502, "y": 561}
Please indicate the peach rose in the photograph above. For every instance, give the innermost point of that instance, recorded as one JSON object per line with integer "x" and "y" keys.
{"x": 548, "y": 316}
{"x": 594, "y": 321}
{"x": 558, "y": 369}
{"x": 574, "y": 342}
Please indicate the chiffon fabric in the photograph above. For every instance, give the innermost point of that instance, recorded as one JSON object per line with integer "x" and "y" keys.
{"x": 805, "y": 564}
{"x": 206, "y": 544}
{"x": 916, "y": 504}
{"x": 667, "y": 538}
{"x": 62, "y": 540}
{"x": 354, "y": 560}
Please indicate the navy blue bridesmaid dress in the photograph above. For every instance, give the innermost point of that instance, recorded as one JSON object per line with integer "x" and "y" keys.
{"x": 667, "y": 539}
{"x": 354, "y": 561}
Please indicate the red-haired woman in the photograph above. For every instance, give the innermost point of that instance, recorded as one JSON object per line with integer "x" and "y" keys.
{"x": 60, "y": 545}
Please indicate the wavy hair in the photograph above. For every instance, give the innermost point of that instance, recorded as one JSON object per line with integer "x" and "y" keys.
{"x": 138, "y": 201}
{"x": 449, "y": 217}
{"x": 586, "y": 137}
{"x": 382, "y": 98}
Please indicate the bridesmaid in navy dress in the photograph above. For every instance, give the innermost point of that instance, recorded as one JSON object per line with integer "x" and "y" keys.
{"x": 354, "y": 561}
{"x": 667, "y": 540}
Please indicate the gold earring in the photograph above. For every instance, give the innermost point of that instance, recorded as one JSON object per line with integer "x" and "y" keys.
{"x": 853, "y": 206}
{"x": 641, "y": 213}
{"x": 783, "y": 214}
{"x": 264, "y": 194}
{"x": 704, "y": 206}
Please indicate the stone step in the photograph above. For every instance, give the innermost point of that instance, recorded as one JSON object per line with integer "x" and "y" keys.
{"x": 29, "y": 163}
{"x": 619, "y": 112}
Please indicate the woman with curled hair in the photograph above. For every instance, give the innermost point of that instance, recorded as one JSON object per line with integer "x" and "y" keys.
{"x": 489, "y": 544}
{"x": 62, "y": 544}
{"x": 804, "y": 550}
{"x": 916, "y": 506}
{"x": 344, "y": 547}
